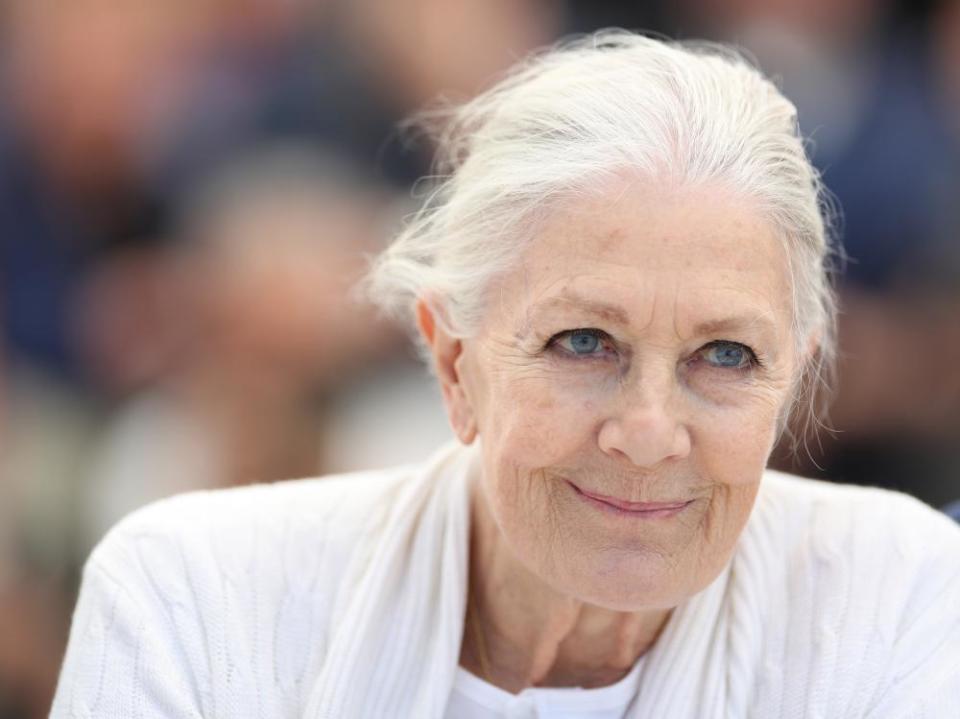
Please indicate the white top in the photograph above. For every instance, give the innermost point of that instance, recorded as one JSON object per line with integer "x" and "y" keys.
{"x": 345, "y": 597}
{"x": 473, "y": 698}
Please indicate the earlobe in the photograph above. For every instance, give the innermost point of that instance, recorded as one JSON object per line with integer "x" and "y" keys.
{"x": 459, "y": 406}
{"x": 447, "y": 354}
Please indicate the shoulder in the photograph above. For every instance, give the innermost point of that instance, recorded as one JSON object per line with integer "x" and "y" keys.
{"x": 857, "y": 536}
{"x": 296, "y": 536}
{"x": 285, "y": 526}
{"x": 858, "y": 589}
{"x": 229, "y": 597}
{"x": 842, "y": 517}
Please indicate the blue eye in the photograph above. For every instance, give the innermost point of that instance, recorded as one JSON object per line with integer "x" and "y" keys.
{"x": 728, "y": 355}
{"x": 582, "y": 342}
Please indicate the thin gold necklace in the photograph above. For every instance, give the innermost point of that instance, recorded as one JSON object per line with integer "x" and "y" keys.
{"x": 478, "y": 639}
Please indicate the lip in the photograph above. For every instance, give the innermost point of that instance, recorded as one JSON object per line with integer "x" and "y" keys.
{"x": 643, "y": 510}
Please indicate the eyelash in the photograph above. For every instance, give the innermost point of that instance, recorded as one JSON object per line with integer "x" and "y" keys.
{"x": 754, "y": 361}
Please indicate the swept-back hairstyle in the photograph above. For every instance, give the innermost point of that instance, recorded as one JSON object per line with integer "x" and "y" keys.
{"x": 591, "y": 109}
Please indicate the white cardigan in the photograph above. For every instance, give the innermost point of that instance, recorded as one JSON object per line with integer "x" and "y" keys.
{"x": 344, "y": 597}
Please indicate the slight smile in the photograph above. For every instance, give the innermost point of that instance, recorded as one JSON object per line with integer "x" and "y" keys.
{"x": 642, "y": 510}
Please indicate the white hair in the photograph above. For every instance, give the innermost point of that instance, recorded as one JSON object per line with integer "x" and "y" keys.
{"x": 590, "y": 109}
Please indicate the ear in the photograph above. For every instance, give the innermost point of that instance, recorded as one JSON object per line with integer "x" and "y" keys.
{"x": 447, "y": 354}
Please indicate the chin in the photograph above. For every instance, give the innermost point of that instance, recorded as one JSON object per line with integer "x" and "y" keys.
{"x": 635, "y": 582}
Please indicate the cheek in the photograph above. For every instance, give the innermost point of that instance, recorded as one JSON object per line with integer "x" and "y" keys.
{"x": 732, "y": 445}
{"x": 733, "y": 442}
{"x": 533, "y": 422}
{"x": 538, "y": 420}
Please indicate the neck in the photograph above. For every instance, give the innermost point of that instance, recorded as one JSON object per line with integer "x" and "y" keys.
{"x": 533, "y": 635}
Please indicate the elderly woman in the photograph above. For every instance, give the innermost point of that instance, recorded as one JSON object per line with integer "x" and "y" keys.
{"x": 622, "y": 288}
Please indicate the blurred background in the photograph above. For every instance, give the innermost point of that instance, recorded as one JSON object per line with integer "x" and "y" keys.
{"x": 188, "y": 188}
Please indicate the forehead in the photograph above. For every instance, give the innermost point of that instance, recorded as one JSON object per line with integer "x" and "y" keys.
{"x": 698, "y": 254}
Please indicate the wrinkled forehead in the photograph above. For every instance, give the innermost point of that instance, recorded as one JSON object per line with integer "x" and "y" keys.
{"x": 694, "y": 256}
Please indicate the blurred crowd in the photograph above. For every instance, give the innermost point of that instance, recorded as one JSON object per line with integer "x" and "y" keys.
{"x": 189, "y": 189}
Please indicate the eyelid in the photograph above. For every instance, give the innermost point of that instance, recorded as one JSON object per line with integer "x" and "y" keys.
{"x": 593, "y": 331}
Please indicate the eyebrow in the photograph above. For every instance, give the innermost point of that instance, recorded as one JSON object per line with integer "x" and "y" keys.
{"x": 712, "y": 327}
{"x": 605, "y": 310}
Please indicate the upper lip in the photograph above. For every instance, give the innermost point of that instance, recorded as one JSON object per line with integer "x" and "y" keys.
{"x": 634, "y": 506}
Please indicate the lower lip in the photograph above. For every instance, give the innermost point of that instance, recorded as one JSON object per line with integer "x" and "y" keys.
{"x": 652, "y": 512}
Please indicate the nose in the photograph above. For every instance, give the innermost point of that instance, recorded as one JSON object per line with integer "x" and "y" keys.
{"x": 646, "y": 429}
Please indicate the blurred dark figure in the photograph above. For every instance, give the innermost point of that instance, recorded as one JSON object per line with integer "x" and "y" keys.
{"x": 371, "y": 64}
{"x": 100, "y": 97}
{"x": 33, "y": 613}
{"x": 953, "y": 510}
{"x": 263, "y": 329}
{"x": 881, "y": 103}
{"x": 87, "y": 87}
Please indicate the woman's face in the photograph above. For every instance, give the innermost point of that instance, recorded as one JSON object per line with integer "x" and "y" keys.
{"x": 626, "y": 387}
